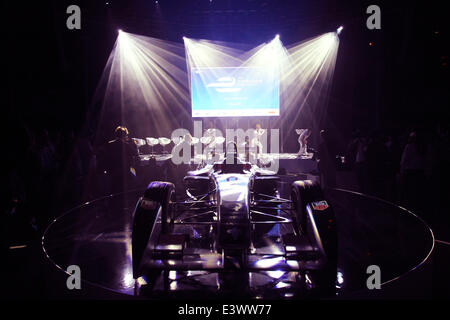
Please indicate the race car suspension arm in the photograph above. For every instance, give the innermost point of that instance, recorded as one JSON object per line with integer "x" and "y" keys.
{"x": 272, "y": 198}
{"x": 186, "y": 220}
{"x": 273, "y": 218}
{"x": 192, "y": 204}
{"x": 189, "y": 207}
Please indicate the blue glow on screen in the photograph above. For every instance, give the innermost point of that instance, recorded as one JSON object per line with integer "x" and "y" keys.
{"x": 239, "y": 91}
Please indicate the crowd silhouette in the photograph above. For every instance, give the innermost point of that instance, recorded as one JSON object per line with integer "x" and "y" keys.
{"x": 49, "y": 171}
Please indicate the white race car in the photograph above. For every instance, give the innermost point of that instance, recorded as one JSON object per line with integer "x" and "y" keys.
{"x": 233, "y": 235}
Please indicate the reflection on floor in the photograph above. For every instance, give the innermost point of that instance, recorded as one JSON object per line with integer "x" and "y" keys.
{"x": 96, "y": 237}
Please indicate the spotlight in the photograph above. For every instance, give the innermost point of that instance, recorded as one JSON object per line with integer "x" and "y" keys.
{"x": 339, "y": 30}
{"x": 120, "y": 30}
{"x": 277, "y": 36}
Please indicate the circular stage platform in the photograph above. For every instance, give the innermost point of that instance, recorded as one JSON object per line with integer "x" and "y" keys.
{"x": 96, "y": 236}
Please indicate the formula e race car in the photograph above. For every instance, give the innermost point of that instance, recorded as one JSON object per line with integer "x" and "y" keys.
{"x": 234, "y": 235}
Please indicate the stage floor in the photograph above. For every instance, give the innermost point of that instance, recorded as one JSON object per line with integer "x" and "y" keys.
{"x": 97, "y": 237}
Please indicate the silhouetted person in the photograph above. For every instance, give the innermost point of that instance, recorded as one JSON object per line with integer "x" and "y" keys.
{"x": 119, "y": 160}
{"x": 376, "y": 164}
{"x": 232, "y": 162}
{"x": 412, "y": 170}
{"x": 360, "y": 162}
{"x": 327, "y": 162}
{"x": 391, "y": 167}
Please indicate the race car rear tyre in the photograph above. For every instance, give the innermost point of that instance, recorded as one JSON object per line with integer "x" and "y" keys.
{"x": 158, "y": 195}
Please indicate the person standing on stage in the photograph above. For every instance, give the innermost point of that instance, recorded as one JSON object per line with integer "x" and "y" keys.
{"x": 256, "y": 146}
{"x": 303, "y": 141}
{"x": 212, "y": 133}
{"x": 119, "y": 158}
{"x": 257, "y": 133}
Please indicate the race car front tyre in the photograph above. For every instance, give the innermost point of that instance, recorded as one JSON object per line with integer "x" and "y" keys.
{"x": 316, "y": 220}
{"x": 164, "y": 194}
{"x": 159, "y": 195}
{"x": 302, "y": 193}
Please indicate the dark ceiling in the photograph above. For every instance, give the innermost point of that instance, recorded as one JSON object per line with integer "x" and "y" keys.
{"x": 394, "y": 77}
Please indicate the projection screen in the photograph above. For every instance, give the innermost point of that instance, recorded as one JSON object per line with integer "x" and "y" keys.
{"x": 234, "y": 92}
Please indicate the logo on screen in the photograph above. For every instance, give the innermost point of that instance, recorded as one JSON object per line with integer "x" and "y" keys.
{"x": 224, "y": 84}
